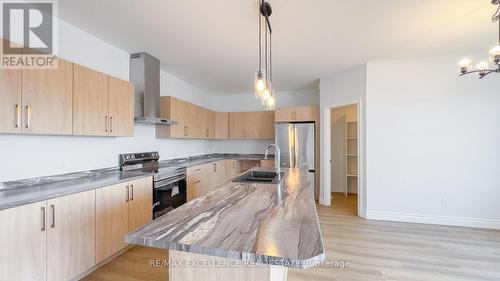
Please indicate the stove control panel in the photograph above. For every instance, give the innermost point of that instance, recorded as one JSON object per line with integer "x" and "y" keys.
{"x": 138, "y": 158}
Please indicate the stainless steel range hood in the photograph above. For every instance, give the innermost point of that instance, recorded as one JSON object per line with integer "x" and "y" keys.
{"x": 145, "y": 74}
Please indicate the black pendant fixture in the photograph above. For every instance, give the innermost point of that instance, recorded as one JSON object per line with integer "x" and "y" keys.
{"x": 264, "y": 77}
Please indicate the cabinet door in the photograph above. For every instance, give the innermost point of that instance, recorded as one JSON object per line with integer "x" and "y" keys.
{"x": 48, "y": 100}
{"x": 23, "y": 243}
{"x": 236, "y": 125}
{"x": 221, "y": 125}
{"x": 174, "y": 109}
{"x": 111, "y": 219}
{"x": 284, "y": 114}
{"x": 267, "y": 163}
{"x": 231, "y": 169}
{"x": 251, "y": 121}
{"x": 10, "y": 97}
{"x": 211, "y": 124}
{"x": 141, "y": 202}
{"x": 193, "y": 181}
{"x": 266, "y": 125}
{"x": 306, "y": 113}
{"x": 217, "y": 175}
{"x": 70, "y": 235}
{"x": 121, "y": 108}
{"x": 90, "y": 102}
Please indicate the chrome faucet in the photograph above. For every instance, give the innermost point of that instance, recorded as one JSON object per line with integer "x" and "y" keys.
{"x": 277, "y": 160}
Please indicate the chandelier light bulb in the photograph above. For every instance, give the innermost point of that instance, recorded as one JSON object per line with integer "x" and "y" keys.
{"x": 270, "y": 103}
{"x": 464, "y": 65}
{"x": 495, "y": 54}
{"x": 482, "y": 67}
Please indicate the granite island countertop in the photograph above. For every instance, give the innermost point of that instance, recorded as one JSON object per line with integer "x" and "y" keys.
{"x": 26, "y": 191}
{"x": 274, "y": 224}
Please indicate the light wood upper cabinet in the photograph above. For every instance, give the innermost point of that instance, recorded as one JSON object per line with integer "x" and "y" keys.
{"x": 237, "y": 124}
{"x": 299, "y": 113}
{"x": 251, "y": 125}
{"x": 70, "y": 235}
{"x": 47, "y": 97}
{"x": 103, "y": 105}
{"x": 193, "y": 122}
{"x": 91, "y": 102}
{"x": 121, "y": 107}
{"x": 141, "y": 200}
{"x": 10, "y": 97}
{"x": 112, "y": 216}
{"x": 23, "y": 243}
{"x": 266, "y": 124}
{"x": 221, "y": 125}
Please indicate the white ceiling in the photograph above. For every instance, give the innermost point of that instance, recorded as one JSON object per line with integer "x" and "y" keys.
{"x": 213, "y": 44}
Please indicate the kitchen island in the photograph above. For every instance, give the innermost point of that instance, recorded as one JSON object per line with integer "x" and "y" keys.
{"x": 240, "y": 231}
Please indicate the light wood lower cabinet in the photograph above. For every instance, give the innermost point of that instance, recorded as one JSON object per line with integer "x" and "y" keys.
{"x": 120, "y": 209}
{"x": 23, "y": 243}
{"x": 231, "y": 169}
{"x": 70, "y": 235}
{"x": 141, "y": 201}
{"x": 207, "y": 177}
{"x": 112, "y": 218}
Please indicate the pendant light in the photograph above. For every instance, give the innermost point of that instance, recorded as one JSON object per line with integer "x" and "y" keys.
{"x": 263, "y": 77}
{"x": 483, "y": 68}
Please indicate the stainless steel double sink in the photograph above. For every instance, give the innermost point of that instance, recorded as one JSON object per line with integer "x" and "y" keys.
{"x": 260, "y": 177}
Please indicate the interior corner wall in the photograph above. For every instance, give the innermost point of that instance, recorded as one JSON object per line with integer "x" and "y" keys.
{"x": 338, "y": 89}
{"x": 433, "y": 143}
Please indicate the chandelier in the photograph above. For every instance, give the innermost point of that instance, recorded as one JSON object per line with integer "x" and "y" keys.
{"x": 264, "y": 77}
{"x": 483, "y": 68}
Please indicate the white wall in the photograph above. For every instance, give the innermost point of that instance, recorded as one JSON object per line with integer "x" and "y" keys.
{"x": 341, "y": 88}
{"x": 248, "y": 102}
{"x": 433, "y": 145}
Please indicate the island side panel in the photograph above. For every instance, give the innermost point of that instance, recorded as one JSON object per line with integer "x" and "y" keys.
{"x": 184, "y": 266}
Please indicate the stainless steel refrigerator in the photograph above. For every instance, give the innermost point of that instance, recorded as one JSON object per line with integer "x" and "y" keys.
{"x": 296, "y": 142}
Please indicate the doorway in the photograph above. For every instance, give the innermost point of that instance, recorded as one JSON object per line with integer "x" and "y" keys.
{"x": 344, "y": 184}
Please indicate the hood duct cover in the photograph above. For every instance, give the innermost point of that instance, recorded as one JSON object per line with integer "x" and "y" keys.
{"x": 145, "y": 74}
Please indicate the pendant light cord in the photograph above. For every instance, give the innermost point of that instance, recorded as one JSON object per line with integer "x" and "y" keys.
{"x": 265, "y": 53}
{"x": 260, "y": 37}
{"x": 496, "y": 18}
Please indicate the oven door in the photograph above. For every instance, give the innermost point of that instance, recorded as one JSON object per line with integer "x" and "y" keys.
{"x": 168, "y": 195}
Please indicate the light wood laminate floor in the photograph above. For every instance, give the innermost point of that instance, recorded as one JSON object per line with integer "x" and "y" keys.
{"x": 374, "y": 250}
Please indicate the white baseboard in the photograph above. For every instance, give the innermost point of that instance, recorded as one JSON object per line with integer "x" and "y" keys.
{"x": 429, "y": 219}
{"x": 362, "y": 213}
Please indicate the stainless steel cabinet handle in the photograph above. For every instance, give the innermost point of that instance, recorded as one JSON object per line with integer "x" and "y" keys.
{"x": 43, "y": 218}
{"x": 18, "y": 116}
{"x": 198, "y": 181}
{"x": 131, "y": 192}
{"x": 28, "y": 116}
{"x": 106, "y": 124}
{"x": 53, "y": 211}
{"x": 128, "y": 194}
{"x": 215, "y": 168}
{"x": 197, "y": 170}
{"x": 111, "y": 124}
{"x": 185, "y": 131}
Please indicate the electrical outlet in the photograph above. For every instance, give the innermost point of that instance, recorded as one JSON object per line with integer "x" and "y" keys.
{"x": 444, "y": 202}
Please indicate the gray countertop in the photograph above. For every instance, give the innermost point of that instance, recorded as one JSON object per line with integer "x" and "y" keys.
{"x": 265, "y": 223}
{"x": 21, "y": 192}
